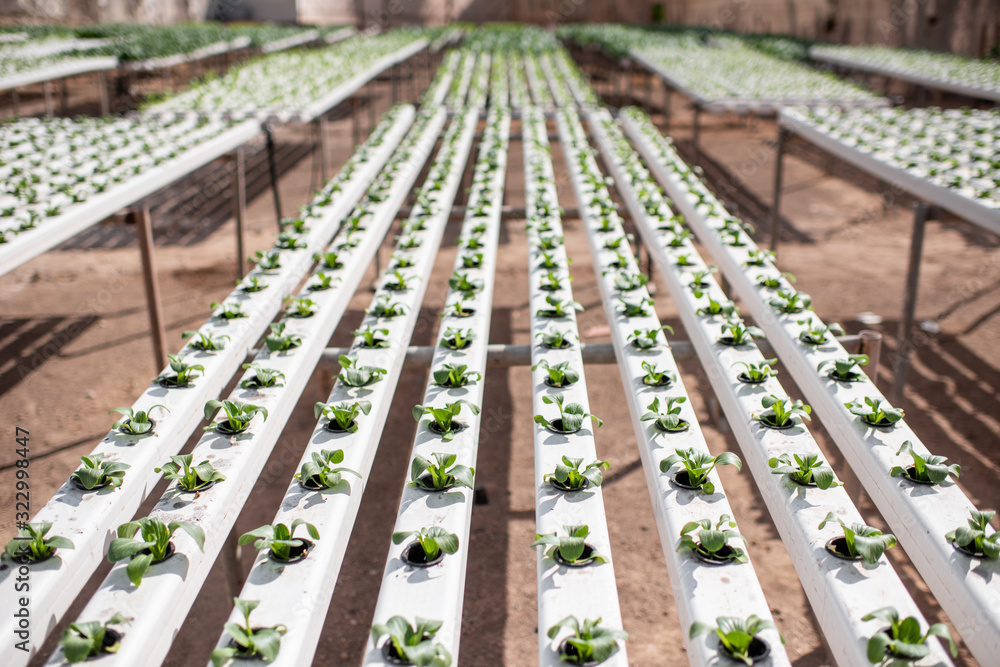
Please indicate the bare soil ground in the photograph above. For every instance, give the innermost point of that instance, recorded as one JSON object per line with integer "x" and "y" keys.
{"x": 74, "y": 343}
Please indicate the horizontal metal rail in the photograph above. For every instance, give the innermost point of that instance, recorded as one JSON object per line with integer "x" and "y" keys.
{"x": 919, "y": 516}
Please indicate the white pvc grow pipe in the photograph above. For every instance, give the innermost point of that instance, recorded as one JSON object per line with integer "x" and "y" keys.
{"x": 840, "y": 592}
{"x": 590, "y": 591}
{"x": 158, "y": 606}
{"x": 919, "y": 516}
{"x": 90, "y": 519}
{"x": 439, "y": 592}
{"x": 71, "y": 67}
{"x": 701, "y": 592}
{"x": 298, "y": 595}
{"x": 217, "y": 49}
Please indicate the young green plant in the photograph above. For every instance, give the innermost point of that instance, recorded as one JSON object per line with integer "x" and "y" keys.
{"x": 571, "y": 416}
{"x": 860, "y": 541}
{"x": 569, "y": 476}
{"x": 280, "y": 539}
{"x": 97, "y": 473}
{"x": 321, "y": 470}
{"x": 737, "y": 636}
{"x": 697, "y": 466}
{"x": 190, "y": 477}
{"x": 805, "y": 469}
{"x": 443, "y": 419}
{"x": 248, "y": 642}
{"x": 153, "y": 545}
{"x": 902, "y": 643}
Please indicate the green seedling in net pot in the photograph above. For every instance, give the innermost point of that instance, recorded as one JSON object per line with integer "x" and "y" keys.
{"x": 843, "y": 370}
{"x": 229, "y": 311}
{"x": 343, "y": 416}
{"x": 589, "y": 644}
{"x": 412, "y": 645}
{"x": 429, "y": 544}
{"x": 571, "y": 548}
{"x": 82, "y": 641}
{"x": 190, "y": 477}
{"x": 558, "y": 375}
{"x": 460, "y": 282}
{"x": 32, "y": 546}
{"x": 789, "y": 302}
{"x": 266, "y": 261}
{"x": 712, "y": 543}
{"x": 569, "y": 476}
{"x": 135, "y": 422}
{"x": 805, "y": 469}
{"x": 280, "y": 540}
{"x": 929, "y": 469}
{"x": 697, "y": 466}
{"x": 262, "y": 377}
{"x": 859, "y": 542}
{"x": 321, "y": 470}
{"x": 248, "y": 642}
{"x": 300, "y": 307}
{"x": 668, "y": 416}
{"x": 571, "y": 416}
{"x": 279, "y": 341}
{"x": 815, "y": 332}
{"x": 183, "y": 373}
{"x": 782, "y": 413}
{"x": 354, "y": 375}
{"x": 372, "y": 338}
{"x": 630, "y": 308}
{"x": 555, "y": 339}
{"x": 238, "y": 416}
{"x": 205, "y": 342}
{"x": 152, "y": 547}
{"x": 96, "y": 473}
{"x": 973, "y": 540}
{"x": 737, "y": 636}
{"x": 441, "y": 473}
{"x": 875, "y": 411}
{"x": 455, "y": 375}
{"x": 756, "y": 373}
{"x": 647, "y": 339}
{"x": 902, "y": 643}
{"x": 443, "y": 419}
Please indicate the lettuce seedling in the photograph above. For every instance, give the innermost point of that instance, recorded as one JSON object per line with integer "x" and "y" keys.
{"x": 300, "y": 307}
{"x": 710, "y": 543}
{"x": 252, "y": 284}
{"x": 398, "y": 281}
{"x": 152, "y": 548}
{"x": 782, "y": 412}
{"x": 229, "y": 311}
{"x": 617, "y": 242}
{"x": 458, "y": 339}
{"x": 973, "y": 539}
{"x": 928, "y": 469}
{"x": 81, "y": 641}
{"x": 860, "y": 541}
{"x": 372, "y": 338}
{"x": 902, "y": 643}
{"x": 385, "y": 308}
{"x": 319, "y": 472}
{"x": 460, "y": 307}
{"x": 683, "y": 259}
{"x": 818, "y": 333}
{"x": 559, "y": 375}
{"x": 655, "y": 377}
{"x": 571, "y": 548}
{"x": 787, "y": 301}
{"x": 461, "y": 282}
{"x": 774, "y": 282}
{"x": 443, "y": 419}
{"x": 737, "y": 636}
{"x": 679, "y": 238}
{"x": 667, "y": 418}
{"x": 402, "y": 260}
{"x": 205, "y": 342}
{"x": 431, "y": 542}
{"x": 756, "y": 373}
{"x": 289, "y": 241}
{"x": 875, "y": 411}
{"x": 621, "y": 261}
{"x": 343, "y": 416}
{"x": 634, "y": 308}
{"x": 248, "y": 642}
{"x": 843, "y": 369}
{"x": 183, "y": 373}
{"x": 646, "y": 339}
{"x": 726, "y": 309}
{"x": 412, "y": 645}
{"x": 409, "y": 242}
{"x": 568, "y": 476}
{"x": 807, "y": 469}
{"x": 626, "y": 281}
{"x": 32, "y": 546}
{"x": 759, "y": 257}
{"x": 455, "y": 375}
{"x": 571, "y": 416}
{"x": 329, "y": 260}
{"x": 262, "y": 377}
{"x": 279, "y": 341}
{"x": 297, "y": 225}
{"x": 189, "y": 477}
{"x": 590, "y": 643}
{"x": 552, "y": 281}
{"x": 358, "y": 376}
{"x": 555, "y": 339}
{"x": 559, "y": 307}
{"x": 472, "y": 260}
{"x": 549, "y": 261}
{"x": 266, "y": 261}
{"x": 474, "y": 242}
{"x": 699, "y": 278}
{"x": 697, "y": 466}
{"x": 549, "y": 242}
{"x": 135, "y": 422}
{"x": 238, "y": 415}
{"x": 280, "y": 539}
{"x": 441, "y": 473}
{"x": 96, "y": 473}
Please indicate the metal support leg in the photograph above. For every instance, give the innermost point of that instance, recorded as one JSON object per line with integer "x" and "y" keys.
{"x": 695, "y": 133}
{"x": 231, "y": 564}
{"x": 240, "y": 209}
{"x": 871, "y": 345}
{"x": 102, "y": 93}
{"x": 920, "y": 215}
{"x": 273, "y": 166}
{"x": 649, "y": 92}
{"x": 779, "y": 162}
{"x": 321, "y": 129}
{"x": 371, "y": 105}
{"x": 47, "y": 87}
{"x": 153, "y": 303}
{"x": 355, "y": 130}
{"x": 394, "y": 77}
{"x": 666, "y": 106}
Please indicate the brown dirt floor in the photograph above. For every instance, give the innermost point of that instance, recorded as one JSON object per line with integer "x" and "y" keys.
{"x": 74, "y": 343}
